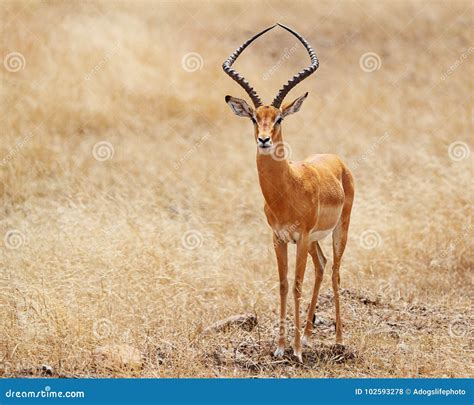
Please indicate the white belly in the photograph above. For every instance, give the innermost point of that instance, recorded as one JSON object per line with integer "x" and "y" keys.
{"x": 319, "y": 235}
{"x": 332, "y": 216}
{"x": 289, "y": 233}
{"x": 286, "y": 235}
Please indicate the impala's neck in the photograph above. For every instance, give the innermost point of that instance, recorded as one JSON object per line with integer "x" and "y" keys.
{"x": 273, "y": 175}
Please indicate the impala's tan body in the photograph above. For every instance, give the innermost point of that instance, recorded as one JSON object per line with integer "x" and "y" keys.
{"x": 304, "y": 201}
{"x": 300, "y": 197}
{"x": 307, "y": 196}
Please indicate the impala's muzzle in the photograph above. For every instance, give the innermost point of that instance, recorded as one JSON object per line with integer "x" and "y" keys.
{"x": 264, "y": 142}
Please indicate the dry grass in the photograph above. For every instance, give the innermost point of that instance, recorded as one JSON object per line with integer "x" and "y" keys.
{"x": 100, "y": 256}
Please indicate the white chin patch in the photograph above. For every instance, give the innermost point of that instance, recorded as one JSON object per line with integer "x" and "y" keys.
{"x": 265, "y": 151}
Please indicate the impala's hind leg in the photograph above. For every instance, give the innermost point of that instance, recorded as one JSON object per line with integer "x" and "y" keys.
{"x": 319, "y": 264}
{"x": 339, "y": 240}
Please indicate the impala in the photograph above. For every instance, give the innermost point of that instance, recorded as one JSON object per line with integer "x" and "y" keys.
{"x": 304, "y": 201}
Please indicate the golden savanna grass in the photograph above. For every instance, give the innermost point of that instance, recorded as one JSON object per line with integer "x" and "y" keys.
{"x": 130, "y": 207}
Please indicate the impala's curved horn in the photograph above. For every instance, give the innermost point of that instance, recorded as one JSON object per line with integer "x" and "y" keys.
{"x": 301, "y": 75}
{"x": 239, "y": 78}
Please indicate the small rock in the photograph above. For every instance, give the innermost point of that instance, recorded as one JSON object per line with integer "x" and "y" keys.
{"x": 320, "y": 321}
{"x": 403, "y": 346}
{"x": 244, "y": 321}
{"x": 46, "y": 369}
{"x": 160, "y": 356}
{"x": 219, "y": 356}
{"x": 118, "y": 356}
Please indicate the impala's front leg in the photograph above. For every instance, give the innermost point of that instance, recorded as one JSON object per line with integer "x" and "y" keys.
{"x": 301, "y": 257}
{"x": 281, "y": 250}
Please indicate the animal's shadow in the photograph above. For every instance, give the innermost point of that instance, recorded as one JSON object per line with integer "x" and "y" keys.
{"x": 258, "y": 356}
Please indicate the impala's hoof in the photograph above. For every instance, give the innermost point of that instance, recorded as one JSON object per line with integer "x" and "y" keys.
{"x": 279, "y": 352}
{"x": 305, "y": 341}
{"x": 299, "y": 355}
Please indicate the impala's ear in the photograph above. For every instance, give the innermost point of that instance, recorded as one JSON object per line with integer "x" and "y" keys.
{"x": 294, "y": 106}
{"x": 239, "y": 106}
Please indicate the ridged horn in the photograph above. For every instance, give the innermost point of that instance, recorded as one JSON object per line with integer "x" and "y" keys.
{"x": 301, "y": 75}
{"x": 238, "y": 77}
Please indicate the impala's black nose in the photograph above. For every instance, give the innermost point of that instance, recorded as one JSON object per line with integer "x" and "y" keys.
{"x": 263, "y": 141}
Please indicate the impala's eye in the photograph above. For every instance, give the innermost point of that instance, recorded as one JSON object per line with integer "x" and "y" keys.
{"x": 278, "y": 121}
{"x": 253, "y": 120}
